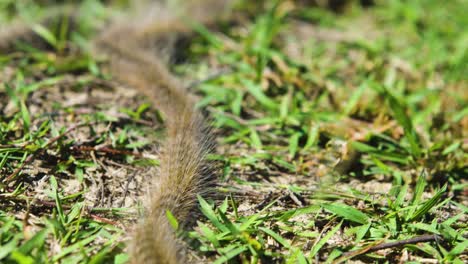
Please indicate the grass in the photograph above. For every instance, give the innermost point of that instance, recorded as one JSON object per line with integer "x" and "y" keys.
{"x": 343, "y": 138}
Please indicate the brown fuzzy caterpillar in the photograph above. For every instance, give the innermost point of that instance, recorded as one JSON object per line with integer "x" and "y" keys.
{"x": 183, "y": 173}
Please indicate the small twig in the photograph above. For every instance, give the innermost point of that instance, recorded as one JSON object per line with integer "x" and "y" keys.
{"x": 32, "y": 201}
{"x": 399, "y": 243}
{"x": 53, "y": 204}
{"x": 103, "y": 220}
{"x": 127, "y": 185}
{"x": 106, "y": 150}
{"x": 297, "y": 199}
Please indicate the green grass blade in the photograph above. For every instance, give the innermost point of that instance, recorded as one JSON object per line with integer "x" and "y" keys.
{"x": 347, "y": 212}
{"x": 315, "y": 249}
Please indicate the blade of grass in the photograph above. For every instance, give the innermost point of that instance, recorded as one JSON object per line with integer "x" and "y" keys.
{"x": 315, "y": 249}
{"x": 347, "y": 212}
